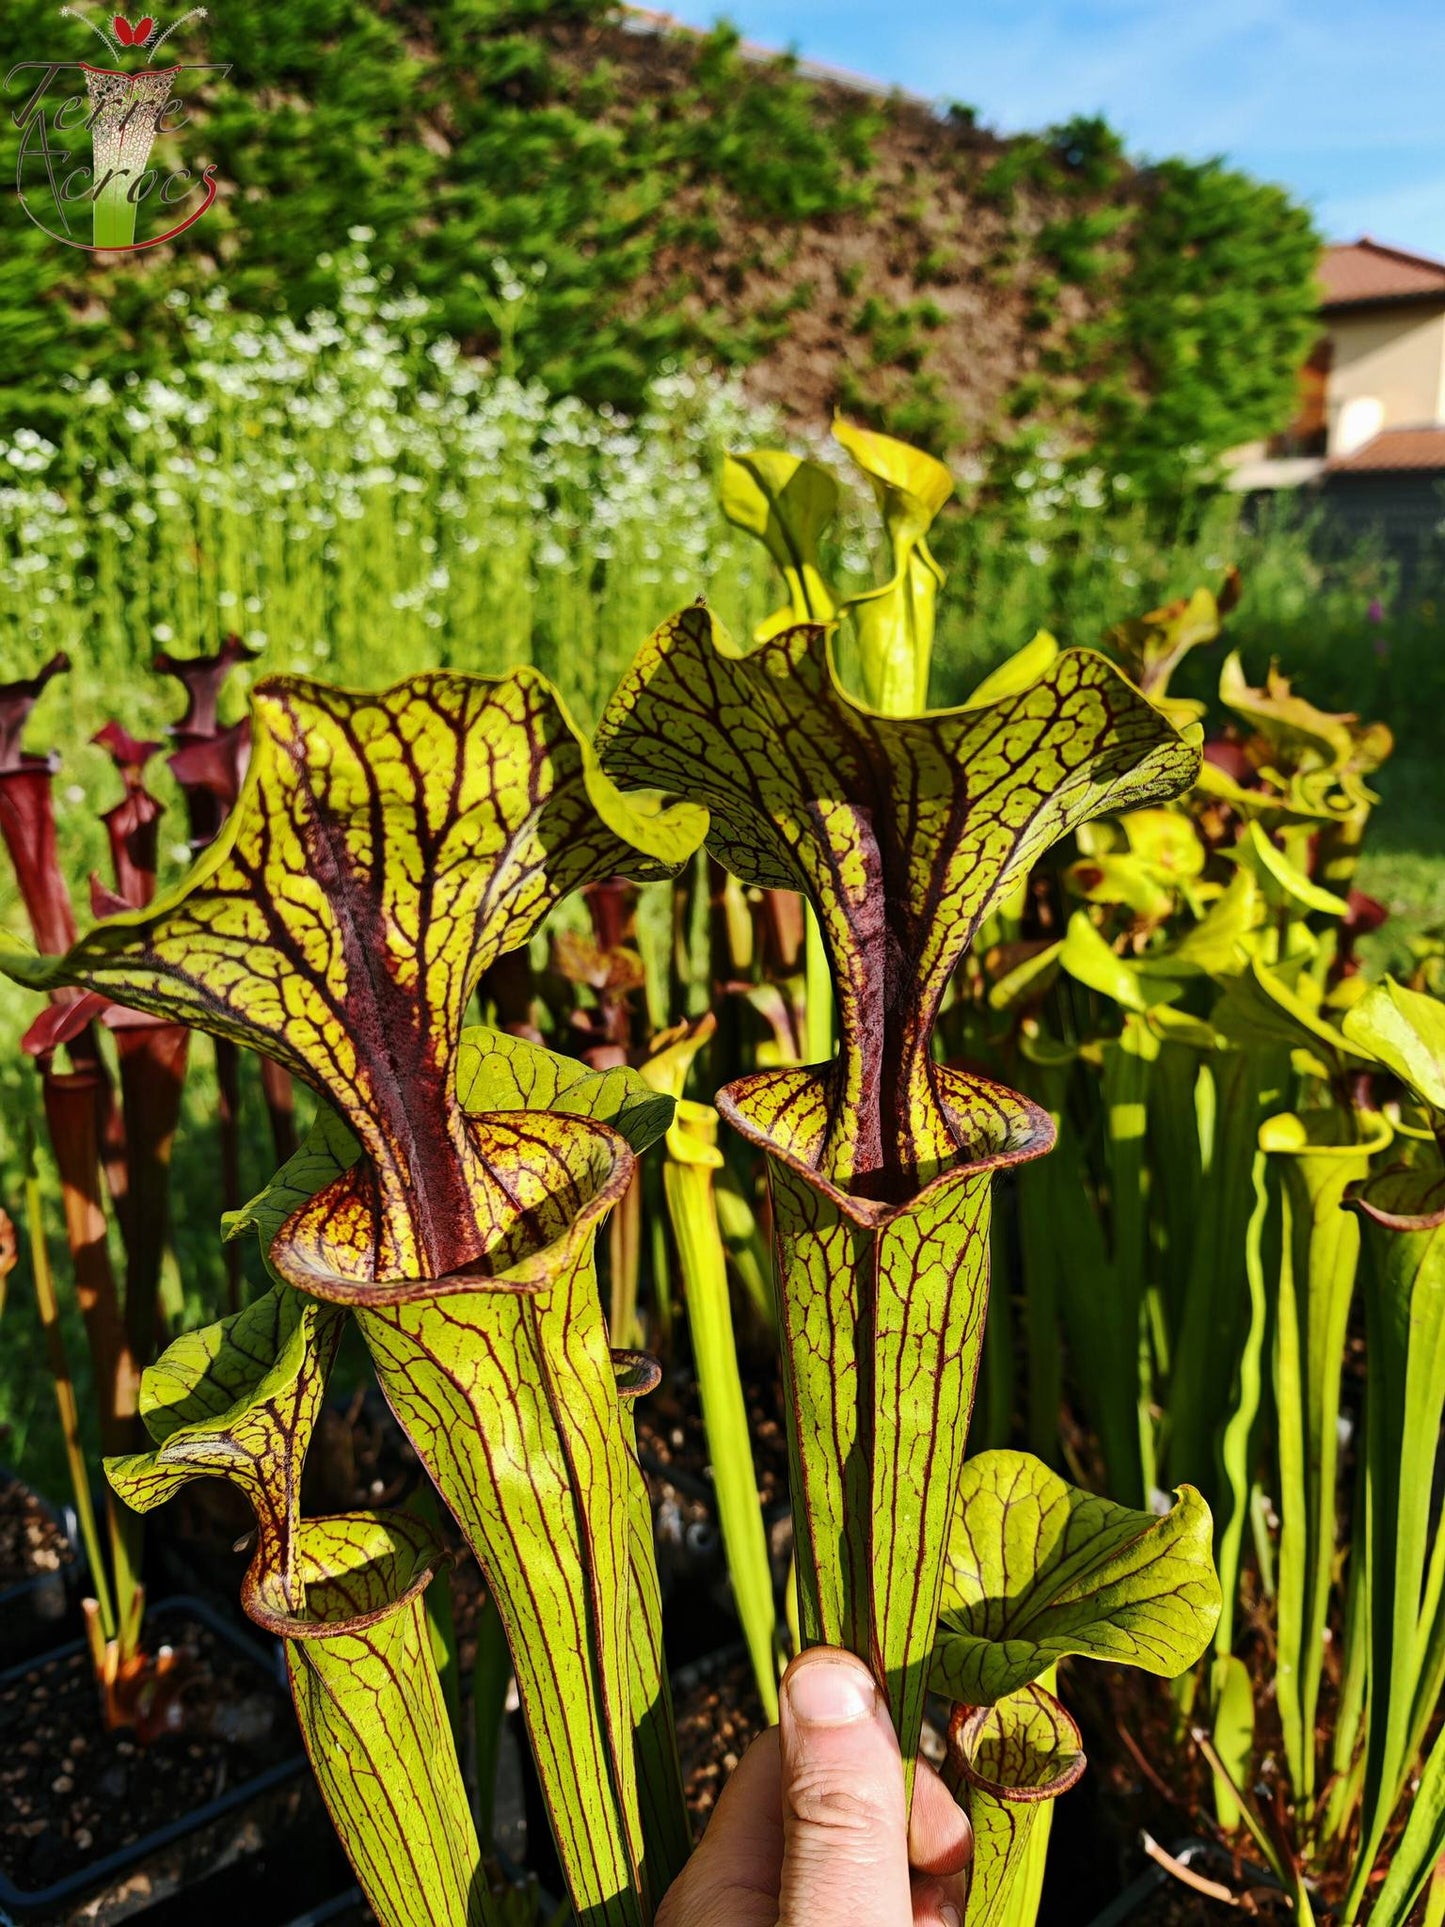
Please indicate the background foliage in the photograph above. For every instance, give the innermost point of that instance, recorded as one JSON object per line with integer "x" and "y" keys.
{"x": 665, "y": 198}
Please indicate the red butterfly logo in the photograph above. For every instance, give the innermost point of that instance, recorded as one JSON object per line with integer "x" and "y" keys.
{"x": 133, "y": 36}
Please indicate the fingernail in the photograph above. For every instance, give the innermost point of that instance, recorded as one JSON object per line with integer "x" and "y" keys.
{"x": 823, "y": 1693}
{"x": 949, "y": 1915}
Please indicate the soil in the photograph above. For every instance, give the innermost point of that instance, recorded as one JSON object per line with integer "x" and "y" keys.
{"x": 31, "y": 1542}
{"x": 718, "y": 1715}
{"x": 672, "y": 1444}
{"x": 698, "y": 1612}
{"x": 268, "y": 1859}
{"x": 1145, "y": 1776}
{"x": 73, "y": 1793}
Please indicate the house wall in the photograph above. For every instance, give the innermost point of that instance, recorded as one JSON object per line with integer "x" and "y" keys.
{"x": 1404, "y": 511}
{"x": 1395, "y": 357}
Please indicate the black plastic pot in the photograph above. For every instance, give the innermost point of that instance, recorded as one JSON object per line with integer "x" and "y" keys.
{"x": 22, "y": 1905}
{"x": 38, "y": 1612}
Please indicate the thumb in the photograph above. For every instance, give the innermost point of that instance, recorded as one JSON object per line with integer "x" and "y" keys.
{"x": 845, "y": 1821}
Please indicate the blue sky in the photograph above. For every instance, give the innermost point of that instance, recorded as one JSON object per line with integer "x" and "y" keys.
{"x": 1339, "y": 100}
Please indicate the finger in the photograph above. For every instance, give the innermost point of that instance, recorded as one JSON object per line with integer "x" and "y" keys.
{"x": 845, "y": 1825}
{"x": 939, "y": 1903}
{"x": 732, "y": 1878}
{"x": 940, "y": 1839}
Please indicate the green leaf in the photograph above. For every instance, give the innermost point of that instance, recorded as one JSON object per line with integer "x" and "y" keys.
{"x": 1038, "y": 1569}
{"x": 1216, "y": 944}
{"x": 238, "y": 1400}
{"x": 1405, "y": 1031}
{"x": 1417, "y": 1852}
{"x": 499, "y": 1072}
{"x": 385, "y": 850}
{"x": 895, "y": 623}
{"x": 1404, "y": 1406}
{"x": 666, "y": 1829}
{"x": 1017, "y": 672}
{"x": 904, "y": 833}
{"x": 1154, "y": 645}
{"x": 505, "y": 1383}
{"x": 1094, "y": 962}
{"x": 1300, "y": 736}
{"x": 1283, "y": 883}
{"x": 787, "y": 502}
{"x": 1231, "y": 1693}
{"x": 1260, "y": 1007}
{"x": 1317, "y": 1155}
{"x": 1005, "y": 1763}
{"x": 688, "y": 1178}
{"x": 359, "y": 1656}
{"x": 1028, "y": 982}
{"x": 1290, "y": 806}
{"x": 908, "y": 1282}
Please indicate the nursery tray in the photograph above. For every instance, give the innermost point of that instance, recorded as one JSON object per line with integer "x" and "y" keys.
{"x": 34, "y": 1610}
{"x": 342, "y": 1909}
{"x": 1139, "y": 1902}
{"x": 26, "y": 1901}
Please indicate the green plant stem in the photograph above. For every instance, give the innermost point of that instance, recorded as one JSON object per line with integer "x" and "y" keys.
{"x": 1176, "y": 1171}
{"x": 624, "y": 1250}
{"x": 703, "y": 1261}
{"x": 1419, "y": 1850}
{"x": 228, "y": 1123}
{"x": 1065, "y": 1263}
{"x": 1346, "y": 1762}
{"x": 113, "y": 216}
{"x": 1239, "y": 1427}
{"x": 1435, "y": 1903}
{"x": 1128, "y": 1066}
{"x": 1405, "y": 1399}
{"x": 65, "y": 1399}
{"x": 1211, "y": 1332}
{"x": 991, "y": 1423}
{"x": 747, "y": 1251}
{"x": 441, "y": 1620}
{"x": 1319, "y": 1257}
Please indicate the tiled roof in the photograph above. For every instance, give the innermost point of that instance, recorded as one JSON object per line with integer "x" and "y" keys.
{"x": 1395, "y": 448}
{"x": 1367, "y": 270}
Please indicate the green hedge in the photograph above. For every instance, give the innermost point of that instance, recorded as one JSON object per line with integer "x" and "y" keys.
{"x": 604, "y": 167}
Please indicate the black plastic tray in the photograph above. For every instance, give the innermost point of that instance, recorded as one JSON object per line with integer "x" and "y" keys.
{"x": 1130, "y": 1905}
{"x": 34, "y": 1612}
{"x": 328, "y": 1910}
{"x": 21, "y": 1901}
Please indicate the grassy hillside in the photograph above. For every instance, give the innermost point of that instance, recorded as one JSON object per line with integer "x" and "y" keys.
{"x": 590, "y": 203}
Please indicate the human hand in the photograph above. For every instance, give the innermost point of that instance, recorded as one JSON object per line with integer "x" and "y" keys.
{"x": 812, "y": 1830}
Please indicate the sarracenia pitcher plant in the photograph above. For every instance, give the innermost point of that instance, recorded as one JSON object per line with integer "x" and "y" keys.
{"x": 903, "y": 834}
{"x": 384, "y": 851}
{"x": 1397, "y": 1605}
